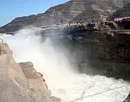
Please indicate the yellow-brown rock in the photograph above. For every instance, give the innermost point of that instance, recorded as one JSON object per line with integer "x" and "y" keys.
{"x": 20, "y": 82}
{"x": 36, "y": 84}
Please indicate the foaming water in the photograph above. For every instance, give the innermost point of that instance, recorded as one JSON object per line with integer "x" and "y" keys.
{"x": 53, "y": 59}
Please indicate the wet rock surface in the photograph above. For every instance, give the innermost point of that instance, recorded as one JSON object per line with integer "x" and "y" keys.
{"x": 103, "y": 54}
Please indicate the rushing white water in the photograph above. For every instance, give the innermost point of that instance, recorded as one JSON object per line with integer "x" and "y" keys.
{"x": 54, "y": 61}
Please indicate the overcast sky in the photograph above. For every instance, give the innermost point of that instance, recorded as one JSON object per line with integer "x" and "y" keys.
{"x": 10, "y": 9}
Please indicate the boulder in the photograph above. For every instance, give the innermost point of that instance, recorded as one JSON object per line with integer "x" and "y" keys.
{"x": 20, "y": 82}
{"x": 38, "y": 87}
{"x": 13, "y": 83}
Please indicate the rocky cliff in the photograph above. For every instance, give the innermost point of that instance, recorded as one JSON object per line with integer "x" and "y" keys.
{"x": 125, "y": 11}
{"x": 73, "y": 10}
{"x": 21, "y": 82}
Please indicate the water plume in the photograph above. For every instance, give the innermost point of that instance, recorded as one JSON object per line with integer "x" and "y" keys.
{"x": 52, "y": 56}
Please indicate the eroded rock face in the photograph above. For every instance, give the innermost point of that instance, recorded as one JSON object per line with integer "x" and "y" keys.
{"x": 125, "y": 11}
{"x": 13, "y": 82}
{"x": 37, "y": 86}
{"x": 10, "y": 92}
{"x": 20, "y": 82}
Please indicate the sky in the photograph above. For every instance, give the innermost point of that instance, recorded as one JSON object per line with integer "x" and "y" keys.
{"x": 11, "y": 9}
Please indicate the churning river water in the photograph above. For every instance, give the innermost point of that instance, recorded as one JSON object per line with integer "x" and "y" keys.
{"x": 54, "y": 61}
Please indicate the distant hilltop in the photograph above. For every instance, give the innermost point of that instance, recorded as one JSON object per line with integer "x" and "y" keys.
{"x": 71, "y": 11}
{"x": 122, "y": 12}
